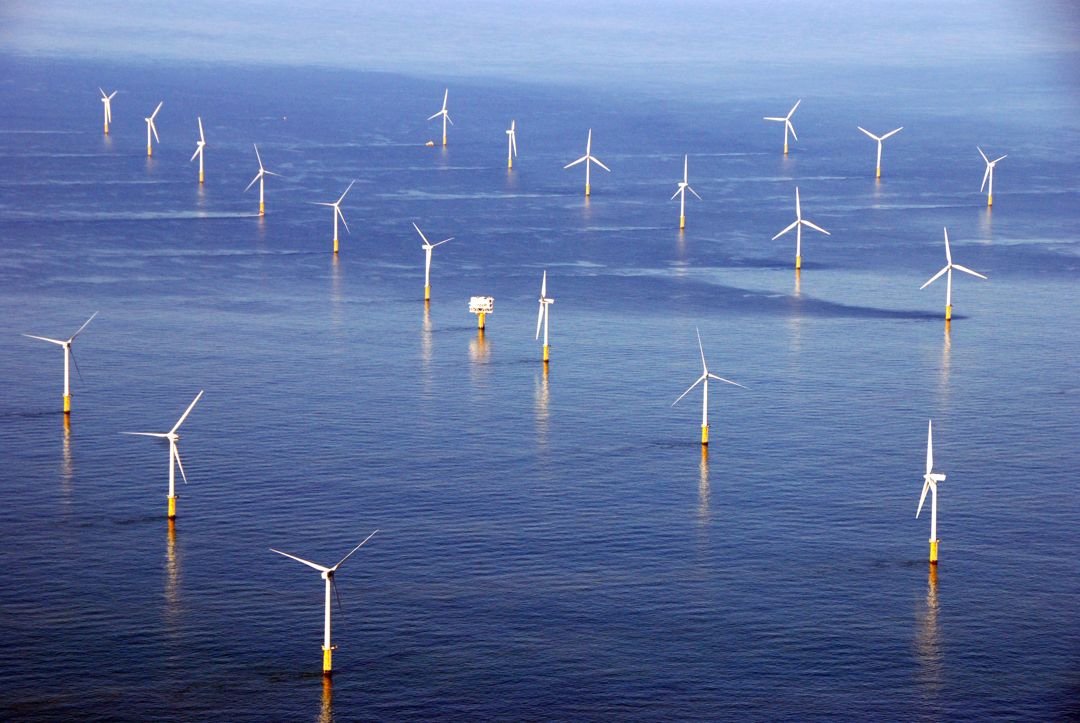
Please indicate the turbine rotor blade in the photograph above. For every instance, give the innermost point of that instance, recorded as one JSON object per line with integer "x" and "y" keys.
{"x": 176, "y": 456}
{"x": 186, "y": 412}
{"x": 793, "y": 225}
{"x": 71, "y": 351}
{"x": 930, "y": 447}
{"x": 958, "y": 267}
{"x": 82, "y": 327}
{"x": 45, "y": 338}
{"x": 934, "y": 278}
{"x": 922, "y": 498}
{"x": 421, "y": 233}
{"x": 335, "y": 567}
{"x": 337, "y": 594}
{"x": 702, "y": 378}
{"x": 320, "y": 568}
{"x": 701, "y": 349}
{"x": 726, "y": 381}
{"x": 346, "y": 191}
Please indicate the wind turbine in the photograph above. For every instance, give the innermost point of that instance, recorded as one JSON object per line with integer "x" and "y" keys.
{"x": 107, "y": 100}
{"x": 151, "y": 127}
{"x": 174, "y": 453}
{"x": 327, "y": 574}
{"x": 684, "y": 186}
{"x": 199, "y": 145}
{"x": 428, "y": 247}
{"x": 445, "y": 115}
{"x": 797, "y": 224}
{"x": 511, "y": 144}
{"x": 545, "y": 302}
{"x": 336, "y": 205}
{"x": 989, "y": 176}
{"x": 69, "y": 357}
{"x": 786, "y": 120}
{"x": 588, "y": 158}
{"x": 949, "y": 266}
{"x": 930, "y": 480}
{"x": 706, "y": 375}
{"x": 879, "y": 139}
{"x": 260, "y": 176}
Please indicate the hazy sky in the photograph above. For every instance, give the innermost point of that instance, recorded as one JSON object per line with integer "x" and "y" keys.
{"x": 562, "y": 40}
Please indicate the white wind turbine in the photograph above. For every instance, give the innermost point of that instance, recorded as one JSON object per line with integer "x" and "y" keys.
{"x": 542, "y": 316}
{"x": 199, "y": 146}
{"x": 445, "y": 115}
{"x": 107, "y": 100}
{"x": 930, "y": 480}
{"x": 786, "y": 120}
{"x": 684, "y": 186}
{"x": 174, "y": 453}
{"x": 797, "y": 224}
{"x": 511, "y": 144}
{"x": 706, "y": 375}
{"x": 428, "y": 248}
{"x": 949, "y": 266}
{"x": 150, "y": 127}
{"x": 989, "y": 176}
{"x": 69, "y": 357}
{"x": 336, "y": 205}
{"x": 587, "y": 159}
{"x": 327, "y": 574}
{"x": 879, "y": 139}
{"x": 260, "y": 176}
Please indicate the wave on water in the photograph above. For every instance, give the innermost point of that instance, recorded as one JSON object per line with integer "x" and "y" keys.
{"x": 91, "y": 216}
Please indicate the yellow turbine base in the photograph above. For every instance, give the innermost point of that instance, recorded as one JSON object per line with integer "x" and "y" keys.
{"x": 547, "y": 353}
{"x": 172, "y": 507}
{"x": 427, "y": 293}
{"x": 990, "y": 200}
{"x": 933, "y": 551}
{"x": 705, "y": 434}
{"x": 327, "y": 660}
{"x": 262, "y": 208}
{"x": 798, "y": 263}
{"x": 480, "y": 320}
{"x": 682, "y": 222}
{"x": 948, "y": 313}
{"x": 67, "y": 404}
{"x": 586, "y": 189}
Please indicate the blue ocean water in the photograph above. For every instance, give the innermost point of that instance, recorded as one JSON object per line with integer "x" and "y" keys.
{"x": 552, "y": 544}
